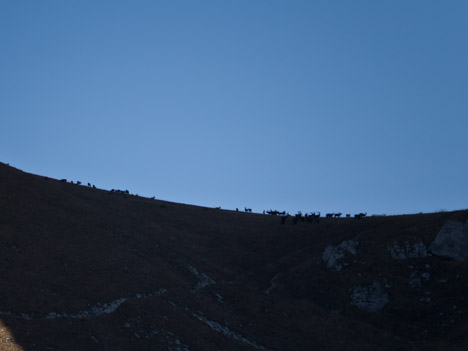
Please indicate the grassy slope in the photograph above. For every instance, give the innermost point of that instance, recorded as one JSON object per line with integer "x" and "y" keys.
{"x": 68, "y": 248}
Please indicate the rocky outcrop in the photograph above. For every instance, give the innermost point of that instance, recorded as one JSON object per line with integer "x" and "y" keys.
{"x": 369, "y": 298}
{"x": 334, "y": 255}
{"x": 417, "y": 278}
{"x": 451, "y": 241}
{"x": 406, "y": 250}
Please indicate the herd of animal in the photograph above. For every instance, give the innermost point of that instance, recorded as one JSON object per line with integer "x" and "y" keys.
{"x": 307, "y": 217}
{"x": 310, "y": 217}
{"x": 78, "y": 183}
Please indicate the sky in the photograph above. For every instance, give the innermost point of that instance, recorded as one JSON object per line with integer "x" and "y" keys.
{"x": 349, "y": 106}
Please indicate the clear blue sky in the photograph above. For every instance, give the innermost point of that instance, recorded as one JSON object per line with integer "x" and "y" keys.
{"x": 298, "y": 105}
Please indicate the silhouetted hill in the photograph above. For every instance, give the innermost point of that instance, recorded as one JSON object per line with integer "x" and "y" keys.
{"x": 88, "y": 269}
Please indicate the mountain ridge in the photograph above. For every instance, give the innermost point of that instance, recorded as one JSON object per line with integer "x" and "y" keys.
{"x": 86, "y": 268}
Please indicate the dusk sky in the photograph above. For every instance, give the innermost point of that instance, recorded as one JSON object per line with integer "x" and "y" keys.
{"x": 324, "y": 106}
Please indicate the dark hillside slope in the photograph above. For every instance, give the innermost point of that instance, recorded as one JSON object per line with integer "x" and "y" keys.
{"x": 88, "y": 269}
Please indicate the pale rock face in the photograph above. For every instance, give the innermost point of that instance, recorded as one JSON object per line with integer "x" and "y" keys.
{"x": 426, "y": 276}
{"x": 417, "y": 278}
{"x": 203, "y": 281}
{"x": 452, "y": 241}
{"x": 334, "y": 255}
{"x": 369, "y": 298}
{"x": 406, "y": 250}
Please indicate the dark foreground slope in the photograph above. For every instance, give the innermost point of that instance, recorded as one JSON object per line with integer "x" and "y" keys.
{"x": 87, "y": 269}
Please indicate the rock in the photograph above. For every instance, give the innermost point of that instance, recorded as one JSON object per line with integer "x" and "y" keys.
{"x": 452, "y": 241}
{"x": 416, "y": 279}
{"x": 426, "y": 276}
{"x": 407, "y": 250}
{"x": 369, "y": 298}
{"x": 334, "y": 255}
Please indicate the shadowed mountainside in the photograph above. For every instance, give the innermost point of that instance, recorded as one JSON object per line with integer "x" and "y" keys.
{"x": 88, "y": 269}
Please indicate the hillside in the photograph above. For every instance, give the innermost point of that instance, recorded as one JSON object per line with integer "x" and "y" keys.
{"x": 89, "y": 269}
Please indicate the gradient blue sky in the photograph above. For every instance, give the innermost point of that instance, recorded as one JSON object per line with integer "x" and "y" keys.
{"x": 297, "y": 105}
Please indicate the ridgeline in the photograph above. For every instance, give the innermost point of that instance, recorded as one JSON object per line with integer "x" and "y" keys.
{"x": 89, "y": 269}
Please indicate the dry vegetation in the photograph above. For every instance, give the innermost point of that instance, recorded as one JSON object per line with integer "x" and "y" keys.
{"x": 87, "y": 269}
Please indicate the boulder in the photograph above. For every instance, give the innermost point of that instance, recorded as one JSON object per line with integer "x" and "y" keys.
{"x": 407, "y": 250}
{"x": 451, "y": 241}
{"x": 334, "y": 255}
{"x": 369, "y": 298}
